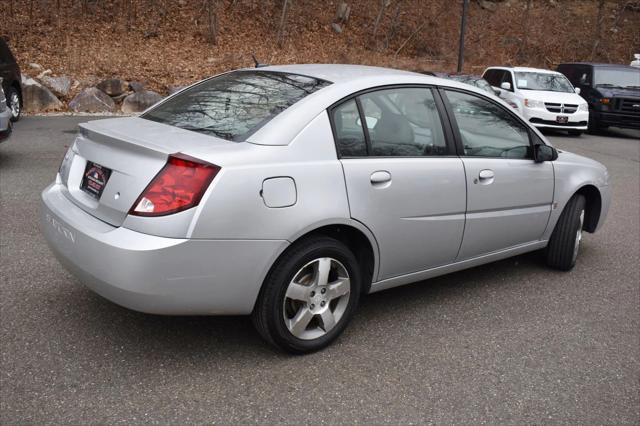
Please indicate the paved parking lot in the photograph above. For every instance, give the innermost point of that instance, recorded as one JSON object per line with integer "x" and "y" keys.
{"x": 511, "y": 342}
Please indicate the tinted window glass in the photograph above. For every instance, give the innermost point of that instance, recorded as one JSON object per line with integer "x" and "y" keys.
{"x": 488, "y": 130}
{"x": 234, "y": 105}
{"x": 492, "y": 77}
{"x": 403, "y": 122}
{"x": 617, "y": 77}
{"x": 349, "y": 133}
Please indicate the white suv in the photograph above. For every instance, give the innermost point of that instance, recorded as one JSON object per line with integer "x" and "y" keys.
{"x": 544, "y": 98}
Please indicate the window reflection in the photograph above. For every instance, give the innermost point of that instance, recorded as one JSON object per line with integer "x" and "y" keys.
{"x": 235, "y": 105}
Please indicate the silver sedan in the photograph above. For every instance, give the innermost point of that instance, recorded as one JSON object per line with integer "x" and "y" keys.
{"x": 289, "y": 192}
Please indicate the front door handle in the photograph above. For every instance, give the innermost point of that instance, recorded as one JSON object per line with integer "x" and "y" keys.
{"x": 380, "y": 177}
{"x": 485, "y": 177}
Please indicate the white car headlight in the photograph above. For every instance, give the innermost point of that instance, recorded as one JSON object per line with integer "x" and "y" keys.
{"x": 530, "y": 103}
{"x": 583, "y": 107}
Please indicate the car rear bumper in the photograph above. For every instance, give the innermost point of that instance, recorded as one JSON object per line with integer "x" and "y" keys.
{"x": 627, "y": 121}
{"x": 155, "y": 274}
{"x": 579, "y": 120}
{"x": 5, "y": 124}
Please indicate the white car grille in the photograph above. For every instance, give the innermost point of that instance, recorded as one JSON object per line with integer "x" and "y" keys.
{"x": 561, "y": 108}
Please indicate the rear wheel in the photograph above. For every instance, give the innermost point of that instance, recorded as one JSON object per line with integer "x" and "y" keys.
{"x": 309, "y": 296}
{"x": 563, "y": 247}
{"x": 14, "y": 102}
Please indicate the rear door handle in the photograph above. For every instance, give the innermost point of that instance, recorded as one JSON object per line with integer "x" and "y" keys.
{"x": 380, "y": 177}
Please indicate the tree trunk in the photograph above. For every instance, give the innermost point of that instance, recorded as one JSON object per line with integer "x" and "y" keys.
{"x": 598, "y": 35}
{"x": 283, "y": 18}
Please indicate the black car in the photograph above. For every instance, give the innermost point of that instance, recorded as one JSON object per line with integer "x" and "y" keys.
{"x": 10, "y": 75}
{"x": 612, "y": 92}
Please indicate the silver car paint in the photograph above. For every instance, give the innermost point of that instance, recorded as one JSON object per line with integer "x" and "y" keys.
{"x": 195, "y": 262}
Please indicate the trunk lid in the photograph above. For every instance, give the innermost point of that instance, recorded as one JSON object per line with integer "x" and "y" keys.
{"x": 135, "y": 150}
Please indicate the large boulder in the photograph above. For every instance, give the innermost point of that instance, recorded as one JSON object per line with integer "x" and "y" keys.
{"x": 136, "y": 86}
{"x": 138, "y": 102}
{"x": 113, "y": 86}
{"x": 60, "y": 86}
{"x": 37, "y": 98}
{"x": 92, "y": 100}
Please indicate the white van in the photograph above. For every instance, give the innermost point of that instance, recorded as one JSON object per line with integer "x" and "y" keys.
{"x": 544, "y": 98}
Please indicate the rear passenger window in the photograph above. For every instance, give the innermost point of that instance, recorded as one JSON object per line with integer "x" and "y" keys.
{"x": 403, "y": 122}
{"x": 348, "y": 130}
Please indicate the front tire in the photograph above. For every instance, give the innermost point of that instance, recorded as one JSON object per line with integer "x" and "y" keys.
{"x": 564, "y": 244}
{"x": 309, "y": 296}
{"x": 14, "y": 102}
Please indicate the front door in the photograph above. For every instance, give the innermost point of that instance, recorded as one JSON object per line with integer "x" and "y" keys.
{"x": 509, "y": 195}
{"x": 402, "y": 180}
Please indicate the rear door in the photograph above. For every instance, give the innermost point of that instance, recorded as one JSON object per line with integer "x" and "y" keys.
{"x": 404, "y": 181}
{"x": 509, "y": 195}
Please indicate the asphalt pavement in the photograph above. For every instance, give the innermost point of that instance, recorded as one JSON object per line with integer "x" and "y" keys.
{"x": 511, "y": 342}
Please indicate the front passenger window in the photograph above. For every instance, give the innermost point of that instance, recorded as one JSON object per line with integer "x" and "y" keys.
{"x": 488, "y": 130}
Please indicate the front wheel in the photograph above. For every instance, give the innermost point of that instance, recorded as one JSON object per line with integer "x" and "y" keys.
{"x": 564, "y": 244}
{"x": 309, "y": 296}
{"x": 14, "y": 102}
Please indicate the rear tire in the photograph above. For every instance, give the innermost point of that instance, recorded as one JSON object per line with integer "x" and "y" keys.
{"x": 309, "y": 296}
{"x": 564, "y": 244}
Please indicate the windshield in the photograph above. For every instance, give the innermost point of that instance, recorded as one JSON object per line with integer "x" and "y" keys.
{"x": 235, "y": 105}
{"x": 617, "y": 77}
{"x": 543, "y": 81}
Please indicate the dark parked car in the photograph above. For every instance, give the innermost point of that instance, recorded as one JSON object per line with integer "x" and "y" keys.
{"x": 10, "y": 74}
{"x": 612, "y": 91}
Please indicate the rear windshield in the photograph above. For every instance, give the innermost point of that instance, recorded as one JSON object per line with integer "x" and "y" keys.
{"x": 235, "y": 105}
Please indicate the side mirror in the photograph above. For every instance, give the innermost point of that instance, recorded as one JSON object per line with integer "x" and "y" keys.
{"x": 544, "y": 153}
{"x": 577, "y": 90}
{"x": 505, "y": 85}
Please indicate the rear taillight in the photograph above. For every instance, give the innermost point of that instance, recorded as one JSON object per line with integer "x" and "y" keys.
{"x": 178, "y": 186}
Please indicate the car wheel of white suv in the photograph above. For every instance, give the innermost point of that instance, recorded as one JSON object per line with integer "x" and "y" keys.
{"x": 309, "y": 296}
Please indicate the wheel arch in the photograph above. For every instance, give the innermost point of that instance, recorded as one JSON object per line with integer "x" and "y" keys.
{"x": 593, "y": 207}
{"x": 354, "y": 235}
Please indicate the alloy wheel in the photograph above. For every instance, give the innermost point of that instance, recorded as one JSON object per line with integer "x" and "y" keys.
{"x": 576, "y": 246}
{"x": 14, "y": 104}
{"x": 316, "y": 298}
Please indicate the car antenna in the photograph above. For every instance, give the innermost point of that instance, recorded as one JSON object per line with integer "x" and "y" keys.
{"x": 258, "y": 64}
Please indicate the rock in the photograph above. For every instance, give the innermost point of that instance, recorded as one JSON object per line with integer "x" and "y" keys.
{"x": 136, "y": 86}
{"x": 342, "y": 13}
{"x": 60, "y": 86}
{"x": 113, "y": 86}
{"x": 92, "y": 100}
{"x": 37, "y": 98}
{"x": 140, "y": 101}
{"x": 486, "y": 4}
{"x": 43, "y": 73}
{"x": 174, "y": 89}
{"x": 36, "y": 67}
{"x": 336, "y": 27}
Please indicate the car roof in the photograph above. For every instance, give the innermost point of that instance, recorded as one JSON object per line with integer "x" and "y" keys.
{"x": 524, "y": 69}
{"x": 338, "y": 73}
{"x": 599, "y": 65}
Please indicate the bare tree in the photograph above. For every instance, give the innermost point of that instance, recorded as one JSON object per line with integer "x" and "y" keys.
{"x": 283, "y": 18}
{"x": 598, "y": 34}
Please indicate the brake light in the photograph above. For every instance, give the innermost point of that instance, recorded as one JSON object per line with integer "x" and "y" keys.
{"x": 180, "y": 185}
